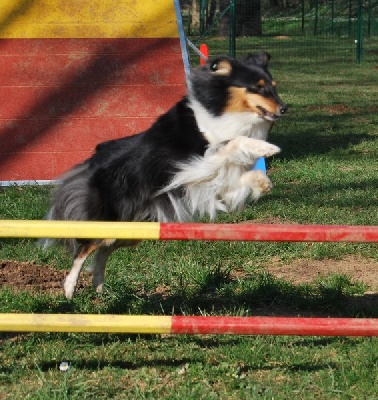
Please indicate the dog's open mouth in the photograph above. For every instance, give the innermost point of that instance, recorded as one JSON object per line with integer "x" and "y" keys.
{"x": 267, "y": 115}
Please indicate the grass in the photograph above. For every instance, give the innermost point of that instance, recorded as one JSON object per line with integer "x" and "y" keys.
{"x": 326, "y": 174}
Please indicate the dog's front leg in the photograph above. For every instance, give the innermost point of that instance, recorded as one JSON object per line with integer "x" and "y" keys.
{"x": 81, "y": 255}
{"x": 241, "y": 154}
{"x": 246, "y": 151}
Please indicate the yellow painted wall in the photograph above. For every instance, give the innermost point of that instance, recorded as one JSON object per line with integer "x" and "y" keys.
{"x": 87, "y": 19}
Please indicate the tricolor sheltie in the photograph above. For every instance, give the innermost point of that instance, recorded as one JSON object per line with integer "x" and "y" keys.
{"x": 195, "y": 160}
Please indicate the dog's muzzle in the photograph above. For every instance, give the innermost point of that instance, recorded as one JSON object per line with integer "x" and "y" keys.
{"x": 282, "y": 109}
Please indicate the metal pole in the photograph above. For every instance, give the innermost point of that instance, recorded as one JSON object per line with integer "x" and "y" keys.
{"x": 232, "y": 41}
{"x": 359, "y": 33}
{"x": 316, "y": 18}
{"x": 203, "y": 7}
{"x": 332, "y": 14}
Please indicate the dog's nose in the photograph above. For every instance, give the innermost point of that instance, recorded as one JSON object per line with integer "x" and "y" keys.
{"x": 283, "y": 109}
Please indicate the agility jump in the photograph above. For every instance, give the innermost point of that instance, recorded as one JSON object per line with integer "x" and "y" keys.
{"x": 141, "y": 324}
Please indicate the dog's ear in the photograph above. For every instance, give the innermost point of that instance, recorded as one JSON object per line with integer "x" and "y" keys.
{"x": 260, "y": 59}
{"x": 220, "y": 67}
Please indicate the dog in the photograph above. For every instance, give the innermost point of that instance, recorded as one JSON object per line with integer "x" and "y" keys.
{"x": 195, "y": 160}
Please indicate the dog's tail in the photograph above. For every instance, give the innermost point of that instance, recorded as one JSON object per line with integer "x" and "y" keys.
{"x": 70, "y": 200}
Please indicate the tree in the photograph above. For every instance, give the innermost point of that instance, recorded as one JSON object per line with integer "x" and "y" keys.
{"x": 247, "y": 18}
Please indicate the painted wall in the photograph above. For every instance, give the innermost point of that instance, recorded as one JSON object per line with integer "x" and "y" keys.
{"x": 74, "y": 73}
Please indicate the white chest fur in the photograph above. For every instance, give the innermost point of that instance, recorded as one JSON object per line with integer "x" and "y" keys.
{"x": 227, "y": 126}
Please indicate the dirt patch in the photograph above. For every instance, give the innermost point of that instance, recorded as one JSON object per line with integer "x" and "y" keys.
{"x": 339, "y": 109}
{"x": 335, "y": 109}
{"x": 270, "y": 220}
{"x": 307, "y": 271}
{"x": 28, "y": 276}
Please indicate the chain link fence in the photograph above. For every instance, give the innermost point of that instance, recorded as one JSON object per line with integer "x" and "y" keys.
{"x": 312, "y": 30}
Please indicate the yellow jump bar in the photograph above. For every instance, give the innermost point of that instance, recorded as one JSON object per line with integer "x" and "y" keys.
{"x": 93, "y": 323}
{"x": 79, "y": 229}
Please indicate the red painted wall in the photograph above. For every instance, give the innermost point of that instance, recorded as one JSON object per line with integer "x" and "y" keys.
{"x": 60, "y": 97}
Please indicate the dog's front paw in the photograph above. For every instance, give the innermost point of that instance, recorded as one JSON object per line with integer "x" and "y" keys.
{"x": 69, "y": 288}
{"x": 271, "y": 150}
{"x": 260, "y": 148}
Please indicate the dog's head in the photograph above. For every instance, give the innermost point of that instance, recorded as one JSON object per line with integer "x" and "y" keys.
{"x": 225, "y": 85}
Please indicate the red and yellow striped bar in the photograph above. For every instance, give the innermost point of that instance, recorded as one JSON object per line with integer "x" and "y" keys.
{"x": 74, "y": 73}
{"x": 188, "y": 231}
{"x": 190, "y": 325}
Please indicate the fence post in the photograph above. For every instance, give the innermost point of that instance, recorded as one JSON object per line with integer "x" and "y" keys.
{"x": 359, "y": 33}
{"x": 232, "y": 44}
{"x": 369, "y": 18}
{"x": 332, "y": 14}
{"x": 316, "y": 17}
{"x": 203, "y": 12}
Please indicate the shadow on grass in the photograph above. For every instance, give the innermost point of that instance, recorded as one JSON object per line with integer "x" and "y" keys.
{"x": 314, "y": 132}
{"x": 215, "y": 292}
{"x": 309, "y": 142}
{"x": 96, "y": 365}
{"x": 218, "y": 293}
{"x": 336, "y": 195}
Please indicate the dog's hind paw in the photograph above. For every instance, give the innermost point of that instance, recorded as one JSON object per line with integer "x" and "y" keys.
{"x": 258, "y": 182}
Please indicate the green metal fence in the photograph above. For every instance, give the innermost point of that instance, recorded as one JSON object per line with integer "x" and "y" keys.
{"x": 318, "y": 30}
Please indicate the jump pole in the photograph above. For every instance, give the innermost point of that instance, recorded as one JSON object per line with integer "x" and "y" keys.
{"x": 191, "y": 325}
{"x": 188, "y": 231}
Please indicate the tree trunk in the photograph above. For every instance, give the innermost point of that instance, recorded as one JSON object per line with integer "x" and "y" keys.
{"x": 248, "y": 18}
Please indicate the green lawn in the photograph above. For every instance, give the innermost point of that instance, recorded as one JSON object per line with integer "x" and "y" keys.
{"x": 326, "y": 174}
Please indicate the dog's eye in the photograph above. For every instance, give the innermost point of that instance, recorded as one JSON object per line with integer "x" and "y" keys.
{"x": 254, "y": 89}
{"x": 214, "y": 67}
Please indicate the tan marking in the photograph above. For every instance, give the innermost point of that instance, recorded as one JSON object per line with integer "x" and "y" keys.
{"x": 86, "y": 249}
{"x": 224, "y": 68}
{"x": 255, "y": 100}
{"x": 242, "y": 101}
{"x": 237, "y": 101}
{"x": 274, "y": 83}
{"x": 261, "y": 82}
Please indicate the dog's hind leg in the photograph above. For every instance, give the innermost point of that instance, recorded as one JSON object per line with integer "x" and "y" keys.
{"x": 101, "y": 257}
{"x": 81, "y": 255}
{"x": 257, "y": 182}
{"x": 99, "y": 265}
